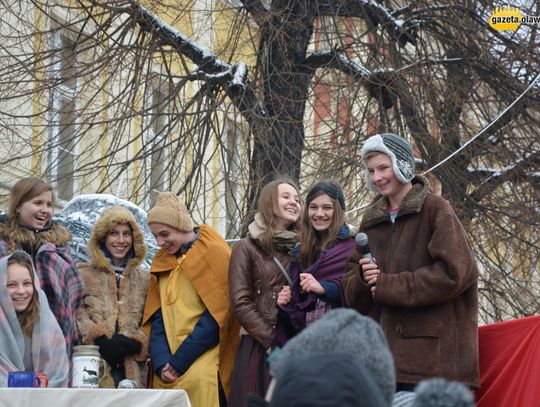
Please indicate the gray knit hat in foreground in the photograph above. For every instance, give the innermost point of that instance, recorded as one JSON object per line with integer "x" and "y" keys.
{"x": 345, "y": 330}
{"x": 435, "y": 392}
{"x": 398, "y": 149}
{"x": 326, "y": 379}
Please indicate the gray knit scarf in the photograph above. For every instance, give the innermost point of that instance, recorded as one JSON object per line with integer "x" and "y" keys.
{"x": 283, "y": 240}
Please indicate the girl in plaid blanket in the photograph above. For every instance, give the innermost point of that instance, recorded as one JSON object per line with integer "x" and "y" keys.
{"x": 29, "y": 227}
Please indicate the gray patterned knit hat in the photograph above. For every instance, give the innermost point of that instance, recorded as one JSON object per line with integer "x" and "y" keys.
{"x": 347, "y": 331}
{"x": 398, "y": 149}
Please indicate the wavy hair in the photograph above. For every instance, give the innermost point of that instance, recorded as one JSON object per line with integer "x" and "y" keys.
{"x": 268, "y": 201}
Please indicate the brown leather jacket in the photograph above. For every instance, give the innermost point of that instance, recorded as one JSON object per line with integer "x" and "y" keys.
{"x": 426, "y": 297}
{"x": 254, "y": 283}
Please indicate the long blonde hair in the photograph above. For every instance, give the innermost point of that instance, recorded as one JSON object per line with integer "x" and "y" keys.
{"x": 30, "y": 315}
{"x": 311, "y": 241}
{"x": 268, "y": 201}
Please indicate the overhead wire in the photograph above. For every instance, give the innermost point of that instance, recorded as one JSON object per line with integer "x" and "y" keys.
{"x": 482, "y": 131}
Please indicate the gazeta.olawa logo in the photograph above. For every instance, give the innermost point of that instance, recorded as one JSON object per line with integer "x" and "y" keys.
{"x": 509, "y": 18}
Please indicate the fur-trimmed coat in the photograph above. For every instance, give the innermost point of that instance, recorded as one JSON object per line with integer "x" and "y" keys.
{"x": 56, "y": 270}
{"x": 426, "y": 297}
{"x": 105, "y": 309}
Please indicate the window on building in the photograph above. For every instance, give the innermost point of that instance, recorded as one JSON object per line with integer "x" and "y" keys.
{"x": 156, "y": 144}
{"x": 231, "y": 170}
{"x": 62, "y": 129}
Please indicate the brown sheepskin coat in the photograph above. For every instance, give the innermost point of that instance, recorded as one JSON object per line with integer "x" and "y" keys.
{"x": 104, "y": 306}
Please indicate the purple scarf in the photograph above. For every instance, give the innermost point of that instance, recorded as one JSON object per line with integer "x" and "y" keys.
{"x": 330, "y": 267}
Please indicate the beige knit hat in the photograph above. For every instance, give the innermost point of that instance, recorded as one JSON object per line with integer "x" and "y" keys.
{"x": 169, "y": 210}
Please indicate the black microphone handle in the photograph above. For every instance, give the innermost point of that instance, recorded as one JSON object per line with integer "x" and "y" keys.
{"x": 365, "y": 252}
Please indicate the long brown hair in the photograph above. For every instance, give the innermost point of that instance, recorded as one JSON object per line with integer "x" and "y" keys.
{"x": 312, "y": 241}
{"x": 23, "y": 191}
{"x": 268, "y": 201}
{"x": 30, "y": 315}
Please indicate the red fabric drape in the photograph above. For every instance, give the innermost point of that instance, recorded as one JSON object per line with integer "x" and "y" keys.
{"x": 510, "y": 363}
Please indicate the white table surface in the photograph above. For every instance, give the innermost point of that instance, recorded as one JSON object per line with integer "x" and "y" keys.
{"x": 28, "y": 397}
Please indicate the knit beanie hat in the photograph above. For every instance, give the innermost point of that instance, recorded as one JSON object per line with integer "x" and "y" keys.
{"x": 441, "y": 393}
{"x": 326, "y": 379}
{"x": 398, "y": 149}
{"x": 330, "y": 188}
{"x": 345, "y": 330}
{"x": 436, "y": 392}
{"x": 169, "y": 210}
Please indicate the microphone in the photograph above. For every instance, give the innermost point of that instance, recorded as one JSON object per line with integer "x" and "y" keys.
{"x": 362, "y": 244}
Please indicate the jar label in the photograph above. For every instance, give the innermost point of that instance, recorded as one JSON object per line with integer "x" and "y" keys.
{"x": 85, "y": 371}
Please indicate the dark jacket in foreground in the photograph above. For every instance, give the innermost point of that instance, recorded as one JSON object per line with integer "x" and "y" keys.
{"x": 426, "y": 296}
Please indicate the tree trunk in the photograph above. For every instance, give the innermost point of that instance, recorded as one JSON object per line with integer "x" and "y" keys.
{"x": 279, "y": 135}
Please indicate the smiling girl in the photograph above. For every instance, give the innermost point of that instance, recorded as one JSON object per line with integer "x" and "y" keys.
{"x": 110, "y": 314}
{"x": 29, "y": 227}
{"x": 319, "y": 262}
{"x": 30, "y": 336}
{"x": 255, "y": 279}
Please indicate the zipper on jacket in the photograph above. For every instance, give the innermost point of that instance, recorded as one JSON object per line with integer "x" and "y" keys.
{"x": 270, "y": 302}
{"x": 258, "y": 287}
{"x": 390, "y": 253}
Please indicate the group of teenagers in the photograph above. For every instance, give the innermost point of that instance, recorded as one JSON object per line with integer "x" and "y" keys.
{"x": 208, "y": 317}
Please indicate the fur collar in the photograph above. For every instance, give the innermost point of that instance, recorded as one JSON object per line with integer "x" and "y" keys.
{"x": 108, "y": 220}
{"x": 377, "y": 211}
{"x": 56, "y": 234}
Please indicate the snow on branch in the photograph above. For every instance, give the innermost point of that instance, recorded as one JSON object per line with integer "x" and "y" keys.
{"x": 169, "y": 35}
{"x": 233, "y": 78}
{"x": 337, "y": 60}
{"x": 375, "y": 14}
{"x": 496, "y": 177}
{"x": 235, "y": 75}
{"x": 378, "y": 82}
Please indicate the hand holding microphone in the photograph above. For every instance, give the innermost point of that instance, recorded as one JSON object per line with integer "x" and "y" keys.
{"x": 363, "y": 247}
{"x": 370, "y": 270}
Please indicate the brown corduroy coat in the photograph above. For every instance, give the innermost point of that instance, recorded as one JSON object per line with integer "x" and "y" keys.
{"x": 104, "y": 306}
{"x": 426, "y": 297}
